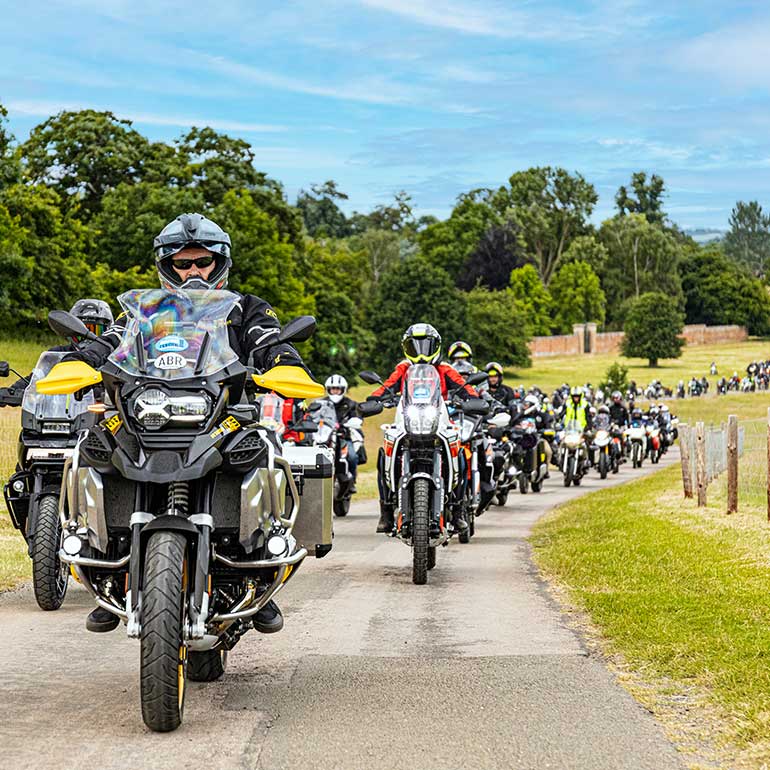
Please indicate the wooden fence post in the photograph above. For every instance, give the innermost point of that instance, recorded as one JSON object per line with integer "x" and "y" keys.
{"x": 700, "y": 463}
{"x": 768, "y": 464}
{"x": 684, "y": 457}
{"x": 732, "y": 463}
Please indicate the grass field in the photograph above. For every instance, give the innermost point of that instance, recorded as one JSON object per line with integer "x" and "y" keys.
{"x": 681, "y": 594}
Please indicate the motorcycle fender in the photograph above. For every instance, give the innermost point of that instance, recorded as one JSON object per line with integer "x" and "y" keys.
{"x": 171, "y": 524}
{"x": 164, "y": 467}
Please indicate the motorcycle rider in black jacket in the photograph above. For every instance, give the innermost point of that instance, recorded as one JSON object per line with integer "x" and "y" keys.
{"x": 192, "y": 252}
{"x": 618, "y": 411}
{"x": 497, "y": 390}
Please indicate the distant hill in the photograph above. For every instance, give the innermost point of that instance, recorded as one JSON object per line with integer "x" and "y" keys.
{"x": 705, "y": 234}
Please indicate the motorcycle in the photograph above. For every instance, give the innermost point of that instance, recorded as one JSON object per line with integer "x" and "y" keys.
{"x": 421, "y": 466}
{"x": 653, "y": 447}
{"x": 505, "y": 470}
{"x": 574, "y": 454}
{"x": 604, "y": 448}
{"x": 50, "y": 429}
{"x": 529, "y": 455}
{"x": 636, "y": 436}
{"x": 182, "y": 517}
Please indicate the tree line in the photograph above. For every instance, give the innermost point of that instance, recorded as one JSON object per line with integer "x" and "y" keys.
{"x": 82, "y": 198}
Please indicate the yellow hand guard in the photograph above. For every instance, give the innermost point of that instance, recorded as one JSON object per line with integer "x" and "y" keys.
{"x": 68, "y": 377}
{"x": 289, "y": 382}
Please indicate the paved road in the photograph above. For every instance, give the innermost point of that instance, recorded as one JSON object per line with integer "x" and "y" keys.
{"x": 475, "y": 670}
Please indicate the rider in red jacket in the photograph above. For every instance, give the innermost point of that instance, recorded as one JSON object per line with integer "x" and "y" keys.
{"x": 421, "y": 344}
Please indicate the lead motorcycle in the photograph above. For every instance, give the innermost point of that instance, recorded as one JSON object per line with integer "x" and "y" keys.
{"x": 182, "y": 517}
{"x": 421, "y": 468}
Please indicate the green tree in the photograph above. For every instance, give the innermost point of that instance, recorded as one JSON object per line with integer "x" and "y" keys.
{"x": 550, "y": 207}
{"x": 718, "y": 291}
{"x": 533, "y": 299}
{"x": 409, "y": 292}
{"x": 586, "y": 248}
{"x": 53, "y": 270}
{"x": 496, "y": 327}
{"x": 396, "y": 217}
{"x": 748, "y": 239}
{"x": 652, "y": 328}
{"x": 16, "y": 295}
{"x": 641, "y": 257}
{"x": 320, "y": 213}
{"x": 265, "y": 263}
{"x": 82, "y": 155}
{"x": 645, "y": 197}
{"x": 381, "y": 249}
{"x": 132, "y": 215}
{"x": 10, "y": 170}
{"x": 577, "y": 297}
{"x": 615, "y": 378}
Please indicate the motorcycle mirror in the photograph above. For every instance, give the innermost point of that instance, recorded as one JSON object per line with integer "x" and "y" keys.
{"x": 305, "y": 427}
{"x": 66, "y": 325}
{"x": 299, "y": 329}
{"x": 477, "y": 378}
{"x": 370, "y": 408}
{"x": 4, "y": 368}
{"x": 475, "y": 406}
{"x": 371, "y": 378}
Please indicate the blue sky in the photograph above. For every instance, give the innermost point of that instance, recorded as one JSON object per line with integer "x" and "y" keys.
{"x": 431, "y": 96}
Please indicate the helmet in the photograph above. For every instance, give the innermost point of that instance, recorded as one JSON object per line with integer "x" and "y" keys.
{"x": 493, "y": 369}
{"x": 664, "y": 408}
{"x": 336, "y": 381}
{"x": 421, "y": 344}
{"x": 532, "y": 400}
{"x": 617, "y": 396}
{"x": 94, "y": 313}
{"x": 592, "y": 411}
{"x": 636, "y": 414}
{"x": 464, "y": 367}
{"x": 604, "y": 409}
{"x": 460, "y": 349}
{"x": 576, "y": 393}
{"x": 192, "y": 230}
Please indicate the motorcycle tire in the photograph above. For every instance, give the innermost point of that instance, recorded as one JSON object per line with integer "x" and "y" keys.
{"x": 49, "y": 576}
{"x": 163, "y": 657}
{"x": 431, "y": 557}
{"x": 576, "y": 480}
{"x": 637, "y": 456}
{"x": 342, "y": 507}
{"x": 206, "y": 665}
{"x": 523, "y": 484}
{"x": 472, "y": 525}
{"x": 615, "y": 465}
{"x": 420, "y": 547}
{"x": 655, "y": 456}
{"x": 502, "y": 497}
{"x": 537, "y": 485}
{"x": 465, "y": 536}
{"x": 569, "y": 471}
{"x": 603, "y": 461}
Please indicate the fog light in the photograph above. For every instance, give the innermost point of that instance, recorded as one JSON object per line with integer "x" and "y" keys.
{"x": 18, "y": 485}
{"x": 72, "y": 545}
{"x": 277, "y": 545}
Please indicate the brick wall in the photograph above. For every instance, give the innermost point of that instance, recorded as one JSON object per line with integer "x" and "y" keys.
{"x": 609, "y": 342}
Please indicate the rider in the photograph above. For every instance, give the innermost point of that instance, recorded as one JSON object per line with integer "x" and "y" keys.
{"x": 192, "y": 252}
{"x": 336, "y": 389}
{"x": 618, "y": 411}
{"x": 461, "y": 358}
{"x": 577, "y": 409}
{"x": 497, "y": 390}
{"x": 421, "y": 344}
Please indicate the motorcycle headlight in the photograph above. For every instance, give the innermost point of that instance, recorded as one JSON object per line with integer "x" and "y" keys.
{"x": 602, "y": 438}
{"x": 422, "y": 420}
{"x": 154, "y": 408}
{"x": 573, "y": 440}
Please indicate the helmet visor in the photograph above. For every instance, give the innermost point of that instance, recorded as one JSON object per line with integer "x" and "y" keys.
{"x": 96, "y": 327}
{"x": 164, "y": 250}
{"x": 420, "y": 348}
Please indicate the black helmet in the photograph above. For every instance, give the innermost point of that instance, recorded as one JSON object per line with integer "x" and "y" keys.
{"x": 460, "y": 349}
{"x": 421, "y": 344}
{"x": 192, "y": 230}
{"x": 94, "y": 313}
{"x": 493, "y": 369}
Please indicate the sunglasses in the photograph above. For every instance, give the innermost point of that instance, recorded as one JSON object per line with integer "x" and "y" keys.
{"x": 186, "y": 264}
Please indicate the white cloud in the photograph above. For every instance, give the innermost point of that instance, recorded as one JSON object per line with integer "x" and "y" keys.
{"x": 736, "y": 55}
{"x": 371, "y": 90}
{"x": 43, "y": 108}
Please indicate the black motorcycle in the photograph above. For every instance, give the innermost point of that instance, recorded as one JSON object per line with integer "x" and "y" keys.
{"x": 183, "y": 518}
{"x": 50, "y": 426}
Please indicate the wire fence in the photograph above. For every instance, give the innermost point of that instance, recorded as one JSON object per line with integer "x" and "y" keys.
{"x": 730, "y": 460}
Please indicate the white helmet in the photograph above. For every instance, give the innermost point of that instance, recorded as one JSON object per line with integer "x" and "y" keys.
{"x": 336, "y": 381}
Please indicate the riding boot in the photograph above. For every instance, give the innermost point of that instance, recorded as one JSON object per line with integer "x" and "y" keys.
{"x": 385, "y": 524}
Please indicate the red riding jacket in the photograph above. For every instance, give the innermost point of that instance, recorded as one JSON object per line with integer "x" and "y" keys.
{"x": 451, "y": 380}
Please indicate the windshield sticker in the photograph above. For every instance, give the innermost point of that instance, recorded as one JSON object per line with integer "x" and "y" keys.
{"x": 170, "y": 361}
{"x": 171, "y": 344}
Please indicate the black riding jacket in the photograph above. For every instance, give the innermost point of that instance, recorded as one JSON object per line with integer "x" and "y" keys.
{"x": 346, "y": 409}
{"x": 619, "y": 414}
{"x": 253, "y": 328}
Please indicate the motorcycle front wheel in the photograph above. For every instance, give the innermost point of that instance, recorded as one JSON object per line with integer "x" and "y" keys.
{"x": 342, "y": 507}
{"x": 569, "y": 470}
{"x": 603, "y": 461}
{"x": 49, "y": 575}
{"x": 523, "y": 484}
{"x": 420, "y": 515}
{"x": 163, "y": 662}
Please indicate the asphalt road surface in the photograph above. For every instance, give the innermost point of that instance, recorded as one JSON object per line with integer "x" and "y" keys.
{"x": 477, "y": 669}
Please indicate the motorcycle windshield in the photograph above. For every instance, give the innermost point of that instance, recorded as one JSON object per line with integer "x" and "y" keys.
{"x": 322, "y": 412}
{"x": 61, "y": 407}
{"x": 173, "y": 335}
{"x": 422, "y": 387}
{"x": 573, "y": 426}
{"x": 602, "y": 422}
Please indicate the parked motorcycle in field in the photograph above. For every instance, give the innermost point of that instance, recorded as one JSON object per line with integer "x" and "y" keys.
{"x": 183, "y": 519}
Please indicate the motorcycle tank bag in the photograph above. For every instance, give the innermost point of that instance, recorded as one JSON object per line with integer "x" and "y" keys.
{"x": 313, "y": 470}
